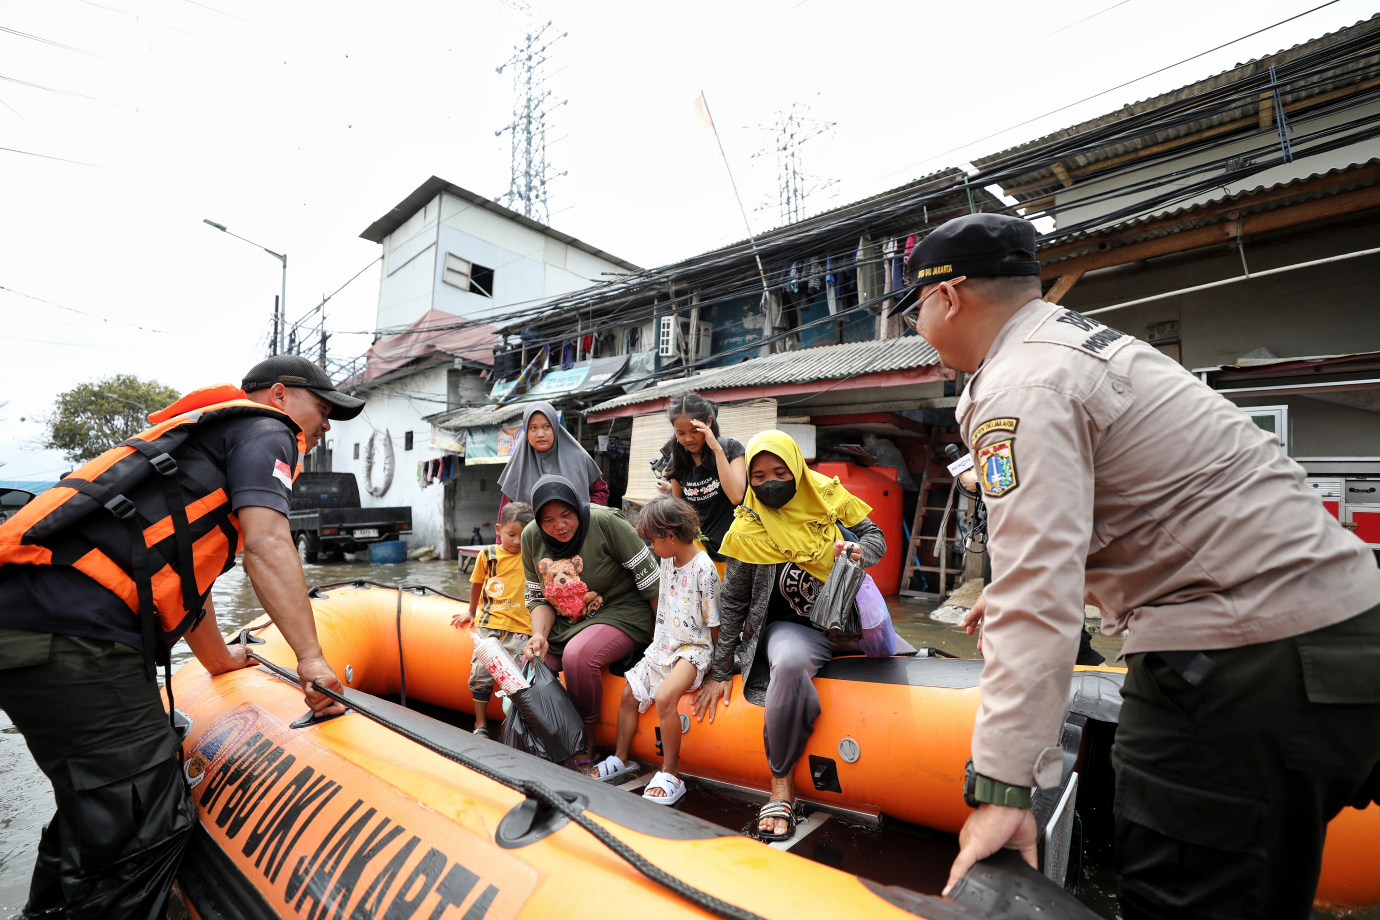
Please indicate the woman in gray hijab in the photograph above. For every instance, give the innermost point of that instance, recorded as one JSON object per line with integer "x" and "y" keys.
{"x": 546, "y": 448}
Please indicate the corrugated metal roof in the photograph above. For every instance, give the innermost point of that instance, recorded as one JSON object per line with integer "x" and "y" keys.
{"x": 825, "y": 363}
{"x": 1191, "y": 216}
{"x": 476, "y": 417}
{"x": 1322, "y": 83}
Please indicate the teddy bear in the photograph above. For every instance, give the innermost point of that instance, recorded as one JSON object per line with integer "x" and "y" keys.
{"x": 562, "y": 586}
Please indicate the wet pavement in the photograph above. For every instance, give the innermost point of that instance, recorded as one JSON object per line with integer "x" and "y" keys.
{"x": 894, "y": 855}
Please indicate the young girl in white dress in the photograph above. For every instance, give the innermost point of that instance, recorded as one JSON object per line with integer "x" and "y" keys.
{"x": 687, "y": 626}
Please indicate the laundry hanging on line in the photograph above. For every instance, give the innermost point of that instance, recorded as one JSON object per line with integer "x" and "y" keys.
{"x": 438, "y": 469}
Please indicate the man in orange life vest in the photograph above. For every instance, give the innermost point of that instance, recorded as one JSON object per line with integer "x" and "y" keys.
{"x": 85, "y": 615}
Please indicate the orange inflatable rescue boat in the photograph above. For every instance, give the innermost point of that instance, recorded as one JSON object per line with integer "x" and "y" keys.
{"x": 388, "y": 813}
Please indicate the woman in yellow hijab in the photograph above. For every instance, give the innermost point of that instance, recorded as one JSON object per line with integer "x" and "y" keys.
{"x": 792, "y": 525}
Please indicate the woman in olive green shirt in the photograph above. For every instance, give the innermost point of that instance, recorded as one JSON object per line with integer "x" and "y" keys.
{"x": 613, "y": 562}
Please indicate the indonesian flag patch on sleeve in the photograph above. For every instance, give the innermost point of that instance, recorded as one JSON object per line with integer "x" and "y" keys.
{"x": 282, "y": 472}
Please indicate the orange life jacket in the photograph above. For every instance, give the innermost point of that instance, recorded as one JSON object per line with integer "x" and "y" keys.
{"x": 149, "y": 519}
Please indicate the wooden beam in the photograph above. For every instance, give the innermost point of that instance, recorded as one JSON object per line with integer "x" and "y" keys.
{"x": 1062, "y": 174}
{"x": 1267, "y": 110}
{"x": 1251, "y": 121}
{"x": 1062, "y": 287}
{"x": 1248, "y": 122}
{"x": 1278, "y": 219}
{"x": 1212, "y": 210}
{"x": 884, "y": 418}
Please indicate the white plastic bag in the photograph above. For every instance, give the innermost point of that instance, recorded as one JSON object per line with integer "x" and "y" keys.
{"x": 878, "y": 635}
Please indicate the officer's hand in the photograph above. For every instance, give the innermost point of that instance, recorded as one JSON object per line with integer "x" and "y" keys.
{"x": 991, "y": 828}
{"x": 316, "y": 671}
{"x": 972, "y": 620}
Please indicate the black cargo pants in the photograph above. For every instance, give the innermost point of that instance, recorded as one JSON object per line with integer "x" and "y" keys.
{"x": 1224, "y": 790}
{"x": 96, "y": 726}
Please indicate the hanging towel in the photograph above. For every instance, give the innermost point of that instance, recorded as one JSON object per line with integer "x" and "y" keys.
{"x": 830, "y": 287}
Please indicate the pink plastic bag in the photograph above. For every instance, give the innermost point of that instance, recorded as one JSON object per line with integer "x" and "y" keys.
{"x": 878, "y": 635}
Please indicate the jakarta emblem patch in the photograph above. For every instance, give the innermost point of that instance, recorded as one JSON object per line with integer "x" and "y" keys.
{"x": 997, "y": 467}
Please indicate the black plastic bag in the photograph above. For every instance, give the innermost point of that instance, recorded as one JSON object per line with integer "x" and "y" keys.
{"x": 543, "y": 720}
{"x": 517, "y": 735}
{"x": 835, "y": 612}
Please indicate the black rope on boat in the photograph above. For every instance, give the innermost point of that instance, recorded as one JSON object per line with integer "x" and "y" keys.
{"x": 402, "y": 671}
{"x": 544, "y": 794}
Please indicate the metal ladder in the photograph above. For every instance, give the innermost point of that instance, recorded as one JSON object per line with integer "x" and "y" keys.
{"x": 919, "y": 539}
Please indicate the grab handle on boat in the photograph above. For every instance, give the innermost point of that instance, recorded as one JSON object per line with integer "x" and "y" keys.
{"x": 312, "y": 717}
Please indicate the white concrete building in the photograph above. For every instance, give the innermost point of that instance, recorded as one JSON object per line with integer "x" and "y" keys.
{"x": 450, "y": 257}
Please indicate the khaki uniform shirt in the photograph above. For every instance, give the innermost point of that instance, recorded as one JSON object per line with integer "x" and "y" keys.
{"x": 1114, "y": 475}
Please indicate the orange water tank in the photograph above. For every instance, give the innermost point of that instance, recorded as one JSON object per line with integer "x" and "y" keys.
{"x": 877, "y": 486}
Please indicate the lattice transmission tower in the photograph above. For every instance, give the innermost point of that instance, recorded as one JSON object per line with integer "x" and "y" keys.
{"x": 532, "y": 104}
{"x": 791, "y": 129}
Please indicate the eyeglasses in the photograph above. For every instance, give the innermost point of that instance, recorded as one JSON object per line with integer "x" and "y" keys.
{"x": 913, "y": 317}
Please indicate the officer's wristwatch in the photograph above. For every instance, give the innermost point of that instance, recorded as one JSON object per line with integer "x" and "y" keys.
{"x": 983, "y": 790}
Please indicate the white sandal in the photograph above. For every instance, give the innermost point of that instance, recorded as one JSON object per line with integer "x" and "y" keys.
{"x": 610, "y": 767}
{"x": 673, "y": 788}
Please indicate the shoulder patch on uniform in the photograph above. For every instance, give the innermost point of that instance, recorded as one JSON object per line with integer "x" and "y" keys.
{"x": 1082, "y": 333}
{"x": 997, "y": 467}
{"x": 996, "y": 424}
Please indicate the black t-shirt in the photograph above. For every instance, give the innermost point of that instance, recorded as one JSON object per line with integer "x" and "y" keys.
{"x": 793, "y": 593}
{"x": 60, "y": 600}
{"x": 701, "y": 489}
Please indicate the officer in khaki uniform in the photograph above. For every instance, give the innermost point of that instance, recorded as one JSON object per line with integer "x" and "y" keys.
{"x": 1251, "y": 711}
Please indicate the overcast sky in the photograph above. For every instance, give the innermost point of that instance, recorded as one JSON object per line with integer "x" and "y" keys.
{"x": 297, "y": 124}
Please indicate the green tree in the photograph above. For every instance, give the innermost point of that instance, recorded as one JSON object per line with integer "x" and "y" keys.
{"x": 93, "y": 417}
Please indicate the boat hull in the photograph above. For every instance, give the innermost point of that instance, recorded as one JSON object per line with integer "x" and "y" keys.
{"x": 893, "y": 737}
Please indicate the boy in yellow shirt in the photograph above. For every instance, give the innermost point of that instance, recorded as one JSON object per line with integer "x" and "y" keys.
{"x": 496, "y": 604}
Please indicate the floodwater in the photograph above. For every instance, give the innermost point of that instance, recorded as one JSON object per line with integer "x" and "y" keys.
{"x": 916, "y": 858}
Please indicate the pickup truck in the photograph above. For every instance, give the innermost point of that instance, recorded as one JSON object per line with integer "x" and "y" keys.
{"x": 325, "y": 517}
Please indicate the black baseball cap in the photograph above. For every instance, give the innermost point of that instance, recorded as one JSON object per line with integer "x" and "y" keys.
{"x": 976, "y": 246}
{"x": 297, "y": 371}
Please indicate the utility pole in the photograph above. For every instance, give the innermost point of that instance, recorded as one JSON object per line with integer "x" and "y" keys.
{"x": 282, "y": 303}
{"x": 530, "y": 172}
{"x": 273, "y": 342}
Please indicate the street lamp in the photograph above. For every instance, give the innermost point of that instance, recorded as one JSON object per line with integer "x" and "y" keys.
{"x": 280, "y": 317}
